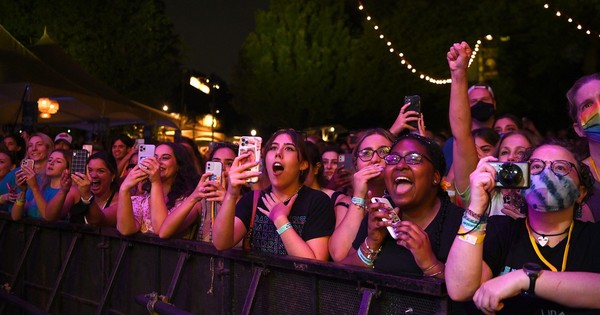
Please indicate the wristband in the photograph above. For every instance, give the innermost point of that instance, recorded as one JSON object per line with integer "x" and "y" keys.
{"x": 472, "y": 239}
{"x": 284, "y": 228}
{"x": 364, "y": 259}
{"x": 359, "y": 202}
{"x": 87, "y": 201}
{"x": 19, "y": 202}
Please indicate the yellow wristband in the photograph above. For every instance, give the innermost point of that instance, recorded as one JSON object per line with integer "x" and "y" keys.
{"x": 472, "y": 239}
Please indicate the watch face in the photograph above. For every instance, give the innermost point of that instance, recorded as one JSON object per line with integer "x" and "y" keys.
{"x": 532, "y": 267}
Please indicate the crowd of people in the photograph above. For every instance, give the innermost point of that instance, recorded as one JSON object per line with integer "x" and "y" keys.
{"x": 506, "y": 217}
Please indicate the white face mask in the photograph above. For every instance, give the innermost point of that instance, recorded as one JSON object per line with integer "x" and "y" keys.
{"x": 549, "y": 192}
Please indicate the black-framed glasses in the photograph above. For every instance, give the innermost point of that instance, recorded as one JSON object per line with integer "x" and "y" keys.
{"x": 412, "y": 158}
{"x": 558, "y": 167}
{"x": 366, "y": 155}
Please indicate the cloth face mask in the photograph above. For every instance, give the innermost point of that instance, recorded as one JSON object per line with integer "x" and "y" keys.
{"x": 549, "y": 192}
{"x": 590, "y": 122}
{"x": 482, "y": 111}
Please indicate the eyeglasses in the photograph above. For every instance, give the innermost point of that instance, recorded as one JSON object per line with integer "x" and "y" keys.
{"x": 366, "y": 155}
{"x": 558, "y": 167}
{"x": 412, "y": 158}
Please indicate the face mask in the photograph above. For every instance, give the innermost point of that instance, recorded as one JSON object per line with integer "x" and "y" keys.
{"x": 590, "y": 122}
{"x": 549, "y": 192}
{"x": 482, "y": 111}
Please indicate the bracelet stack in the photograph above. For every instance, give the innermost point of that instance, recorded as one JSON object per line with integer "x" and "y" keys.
{"x": 19, "y": 202}
{"x": 366, "y": 254}
{"x": 472, "y": 222}
{"x": 359, "y": 202}
{"x": 433, "y": 267}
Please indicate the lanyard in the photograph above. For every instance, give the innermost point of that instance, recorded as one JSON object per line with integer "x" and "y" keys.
{"x": 539, "y": 254}
{"x": 593, "y": 164}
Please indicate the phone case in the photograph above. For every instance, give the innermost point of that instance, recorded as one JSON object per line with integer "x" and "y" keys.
{"x": 79, "y": 161}
{"x": 346, "y": 161}
{"x": 216, "y": 168}
{"x": 415, "y": 105}
{"x": 27, "y": 163}
{"x": 144, "y": 151}
{"x": 251, "y": 144}
{"x": 395, "y": 217}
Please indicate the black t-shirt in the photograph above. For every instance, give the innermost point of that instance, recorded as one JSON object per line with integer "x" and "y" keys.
{"x": 507, "y": 247}
{"x": 311, "y": 216}
{"x": 396, "y": 259}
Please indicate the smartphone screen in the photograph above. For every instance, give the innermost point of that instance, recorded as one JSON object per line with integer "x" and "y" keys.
{"x": 79, "y": 161}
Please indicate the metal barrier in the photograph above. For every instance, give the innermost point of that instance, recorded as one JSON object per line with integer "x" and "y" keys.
{"x": 71, "y": 269}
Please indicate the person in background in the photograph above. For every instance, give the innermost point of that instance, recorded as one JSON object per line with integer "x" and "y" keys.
{"x": 14, "y": 143}
{"x": 192, "y": 149}
{"x": 171, "y": 178}
{"x": 122, "y": 148}
{"x": 368, "y": 181}
{"x": 7, "y": 164}
{"x": 329, "y": 161}
{"x": 98, "y": 189}
{"x": 49, "y": 196}
{"x": 205, "y": 202}
{"x": 584, "y": 108}
{"x": 546, "y": 263}
{"x": 290, "y": 219}
{"x": 507, "y": 123}
{"x": 63, "y": 141}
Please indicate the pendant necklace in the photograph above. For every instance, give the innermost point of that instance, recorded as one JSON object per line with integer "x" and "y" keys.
{"x": 542, "y": 239}
{"x": 539, "y": 254}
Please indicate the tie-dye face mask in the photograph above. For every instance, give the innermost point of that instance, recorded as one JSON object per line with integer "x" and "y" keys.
{"x": 590, "y": 122}
{"x": 549, "y": 192}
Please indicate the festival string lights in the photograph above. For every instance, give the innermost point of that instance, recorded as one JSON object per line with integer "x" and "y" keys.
{"x": 571, "y": 20}
{"x": 404, "y": 61}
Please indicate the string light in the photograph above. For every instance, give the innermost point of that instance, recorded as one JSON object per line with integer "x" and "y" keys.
{"x": 570, "y": 20}
{"x": 404, "y": 61}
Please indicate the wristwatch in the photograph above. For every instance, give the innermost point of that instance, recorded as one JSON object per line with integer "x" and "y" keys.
{"x": 532, "y": 270}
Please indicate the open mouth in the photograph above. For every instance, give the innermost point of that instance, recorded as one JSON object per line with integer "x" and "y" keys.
{"x": 402, "y": 184}
{"x": 277, "y": 168}
{"x": 402, "y": 180}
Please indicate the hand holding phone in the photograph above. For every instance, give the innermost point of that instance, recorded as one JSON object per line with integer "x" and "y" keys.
{"x": 253, "y": 145}
{"x": 145, "y": 151}
{"x": 415, "y": 105}
{"x": 79, "y": 161}
{"x": 27, "y": 163}
{"x": 395, "y": 218}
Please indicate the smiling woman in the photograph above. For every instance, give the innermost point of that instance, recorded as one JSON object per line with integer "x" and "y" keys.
{"x": 413, "y": 172}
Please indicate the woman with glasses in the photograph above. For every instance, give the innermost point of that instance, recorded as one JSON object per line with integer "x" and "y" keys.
{"x": 547, "y": 263}
{"x": 287, "y": 218}
{"x": 368, "y": 182}
{"x": 428, "y": 220}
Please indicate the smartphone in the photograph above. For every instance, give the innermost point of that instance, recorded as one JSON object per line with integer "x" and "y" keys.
{"x": 395, "y": 217}
{"x": 27, "y": 163}
{"x": 89, "y": 148}
{"x": 216, "y": 168}
{"x": 251, "y": 144}
{"x": 79, "y": 161}
{"x": 145, "y": 151}
{"x": 139, "y": 141}
{"x": 345, "y": 161}
{"x": 415, "y": 105}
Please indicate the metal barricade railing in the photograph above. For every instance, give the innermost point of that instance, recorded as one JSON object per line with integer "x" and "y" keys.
{"x": 62, "y": 269}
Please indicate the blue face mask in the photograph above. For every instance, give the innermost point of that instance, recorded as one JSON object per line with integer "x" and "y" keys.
{"x": 549, "y": 192}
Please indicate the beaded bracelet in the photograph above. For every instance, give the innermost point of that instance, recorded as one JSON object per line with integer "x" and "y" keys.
{"x": 372, "y": 254}
{"x": 284, "y": 228}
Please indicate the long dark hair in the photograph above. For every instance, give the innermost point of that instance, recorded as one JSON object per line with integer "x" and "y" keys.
{"x": 186, "y": 177}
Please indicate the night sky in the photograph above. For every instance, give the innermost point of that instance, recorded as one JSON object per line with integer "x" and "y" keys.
{"x": 213, "y": 31}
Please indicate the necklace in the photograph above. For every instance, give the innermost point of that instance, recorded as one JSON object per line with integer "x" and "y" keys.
{"x": 593, "y": 164}
{"x": 287, "y": 200}
{"x": 543, "y": 238}
{"x": 539, "y": 254}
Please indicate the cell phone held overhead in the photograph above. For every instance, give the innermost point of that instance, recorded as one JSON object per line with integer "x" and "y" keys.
{"x": 415, "y": 105}
{"x": 253, "y": 145}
